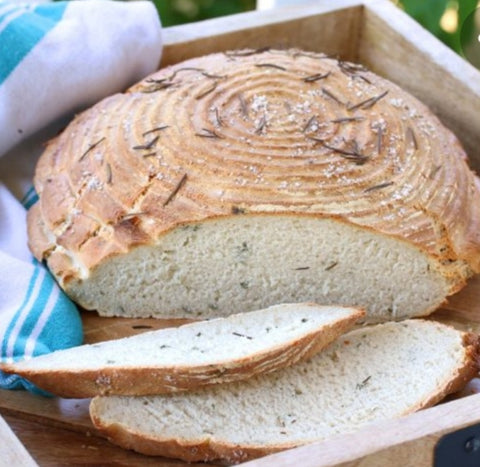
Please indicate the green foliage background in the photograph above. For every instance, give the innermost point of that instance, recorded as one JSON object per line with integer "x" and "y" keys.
{"x": 427, "y": 12}
{"x": 174, "y": 12}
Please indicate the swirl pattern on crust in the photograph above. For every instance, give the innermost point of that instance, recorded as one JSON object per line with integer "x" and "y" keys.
{"x": 248, "y": 131}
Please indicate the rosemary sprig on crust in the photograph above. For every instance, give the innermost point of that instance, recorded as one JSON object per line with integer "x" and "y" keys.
{"x": 92, "y": 146}
{"x": 177, "y": 188}
{"x": 368, "y": 103}
{"x": 378, "y": 187}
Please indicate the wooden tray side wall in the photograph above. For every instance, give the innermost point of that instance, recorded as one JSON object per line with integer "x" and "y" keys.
{"x": 333, "y": 29}
{"x": 396, "y": 47}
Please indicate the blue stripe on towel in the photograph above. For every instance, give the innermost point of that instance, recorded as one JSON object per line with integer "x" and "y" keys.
{"x": 50, "y": 321}
{"x": 29, "y": 199}
{"x": 33, "y": 314}
{"x": 9, "y": 330}
{"x": 56, "y": 331}
{"x": 23, "y": 32}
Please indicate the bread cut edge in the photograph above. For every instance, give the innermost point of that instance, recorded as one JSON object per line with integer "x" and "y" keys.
{"x": 207, "y": 450}
{"x": 470, "y": 369}
{"x": 148, "y": 380}
{"x": 195, "y": 450}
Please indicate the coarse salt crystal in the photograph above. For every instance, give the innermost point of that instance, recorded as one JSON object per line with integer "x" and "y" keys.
{"x": 398, "y": 103}
{"x": 94, "y": 183}
{"x": 259, "y": 103}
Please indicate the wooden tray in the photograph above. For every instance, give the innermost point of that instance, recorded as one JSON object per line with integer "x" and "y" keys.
{"x": 377, "y": 34}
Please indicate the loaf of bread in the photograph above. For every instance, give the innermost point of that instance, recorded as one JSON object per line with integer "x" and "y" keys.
{"x": 373, "y": 373}
{"x": 198, "y": 354}
{"x": 239, "y": 180}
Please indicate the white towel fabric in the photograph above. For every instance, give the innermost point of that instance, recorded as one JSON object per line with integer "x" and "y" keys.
{"x": 55, "y": 59}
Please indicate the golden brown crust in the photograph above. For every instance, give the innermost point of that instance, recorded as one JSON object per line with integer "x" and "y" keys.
{"x": 139, "y": 381}
{"x": 267, "y": 132}
{"x": 199, "y": 450}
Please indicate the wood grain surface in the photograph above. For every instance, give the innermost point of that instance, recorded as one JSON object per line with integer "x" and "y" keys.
{"x": 56, "y": 447}
{"x": 58, "y": 432}
{"x": 398, "y": 49}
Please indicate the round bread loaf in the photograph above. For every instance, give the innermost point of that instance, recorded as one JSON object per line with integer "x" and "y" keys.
{"x": 238, "y": 180}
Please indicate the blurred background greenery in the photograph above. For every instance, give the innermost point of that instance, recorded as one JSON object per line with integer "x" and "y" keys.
{"x": 443, "y": 18}
{"x": 174, "y": 12}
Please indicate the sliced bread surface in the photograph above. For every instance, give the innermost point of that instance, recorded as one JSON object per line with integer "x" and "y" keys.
{"x": 259, "y": 260}
{"x": 192, "y": 355}
{"x": 369, "y": 374}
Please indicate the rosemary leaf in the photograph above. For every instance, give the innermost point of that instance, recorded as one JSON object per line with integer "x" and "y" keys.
{"x": 148, "y": 145}
{"x": 92, "y": 146}
{"x": 185, "y": 68}
{"x": 217, "y": 117}
{"x": 261, "y": 125}
{"x": 207, "y": 91}
{"x": 379, "y": 140}
{"x": 108, "y": 169}
{"x": 158, "y": 86}
{"x": 158, "y": 128}
{"x": 243, "y": 105}
{"x": 176, "y": 189}
{"x": 353, "y": 155}
{"x": 316, "y": 77}
{"x": 208, "y": 134}
{"x": 241, "y": 335}
{"x": 212, "y": 76}
{"x": 370, "y": 102}
{"x": 247, "y": 52}
{"x": 347, "y": 119}
{"x": 270, "y": 65}
{"x": 331, "y": 266}
{"x": 309, "y": 123}
{"x": 332, "y": 96}
{"x": 363, "y": 383}
{"x": 350, "y": 68}
{"x": 434, "y": 171}
{"x": 378, "y": 187}
{"x": 410, "y": 135}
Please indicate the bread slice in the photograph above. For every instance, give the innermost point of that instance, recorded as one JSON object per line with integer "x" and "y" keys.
{"x": 373, "y": 373}
{"x": 190, "y": 356}
{"x": 240, "y": 180}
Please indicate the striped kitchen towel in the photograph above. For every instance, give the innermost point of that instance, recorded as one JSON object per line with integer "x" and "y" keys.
{"x": 55, "y": 59}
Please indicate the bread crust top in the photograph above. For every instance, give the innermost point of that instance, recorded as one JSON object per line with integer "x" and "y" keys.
{"x": 253, "y": 131}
